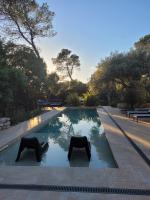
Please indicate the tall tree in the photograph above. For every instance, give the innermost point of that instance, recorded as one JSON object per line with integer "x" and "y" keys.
{"x": 27, "y": 20}
{"x": 12, "y": 84}
{"x": 23, "y": 58}
{"x": 66, "y": 63}
{"x": 52, "y": 85}
{"x": 143, "y": 43}
{"x": 122, "y": 73}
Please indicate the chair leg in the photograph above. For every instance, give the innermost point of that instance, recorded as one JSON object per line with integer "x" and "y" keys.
{"x": 21, "y": 148}
{"x": 70, "y": 152}
{"x": 38, "y": 155}
{"x": 88, "y": 151}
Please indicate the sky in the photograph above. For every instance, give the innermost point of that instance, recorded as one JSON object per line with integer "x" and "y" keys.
{"x": 93, "y": 29}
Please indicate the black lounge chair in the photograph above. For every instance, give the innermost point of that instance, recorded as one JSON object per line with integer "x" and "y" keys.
{"x": 32, "y": 143}
{"x": 140, "y": 116}
{"x": 79, "y": 142}
{"x": 129, "y": 113}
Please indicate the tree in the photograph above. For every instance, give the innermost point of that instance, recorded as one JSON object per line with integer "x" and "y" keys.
{"x": 134, "y": 94}
{"x": 23, "y": 57}
{"x": 116, "y": 73}
{"x": 66, "y": 63}
{"x": 123, "y": 68}
{"x": 143, "y": 43}
{"x": 12, "y": 84}
{"x": 52, "y": 85}
{"x": 27, "y": 20}
{"x": 78, "y": 87}
{"x": 22, "y": 78}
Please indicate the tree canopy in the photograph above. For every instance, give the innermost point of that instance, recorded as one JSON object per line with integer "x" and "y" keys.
{"x": 27, "y": 20}
{"x": 66, "y": 63}
{"x": 143, "y": 43}
{"x": 122, "y": 74}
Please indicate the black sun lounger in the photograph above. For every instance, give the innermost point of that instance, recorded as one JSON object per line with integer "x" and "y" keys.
{"x": 129, "y": 113}
{"x": 139, "y": 116}
{"x": 79, "y": 142}
{"x": 32, "y": 143}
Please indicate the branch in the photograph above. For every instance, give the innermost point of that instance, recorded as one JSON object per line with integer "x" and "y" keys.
{"x": 70, "y": 75}
{"x": 21, "y": 32}
{"x": 121, "y": 82}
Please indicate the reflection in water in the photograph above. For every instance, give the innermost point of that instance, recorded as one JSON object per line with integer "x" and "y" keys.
{"x": 79, "y": 158}
{"x": 79, "y": 122}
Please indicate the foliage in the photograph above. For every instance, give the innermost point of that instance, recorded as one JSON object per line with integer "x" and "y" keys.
{"x": 34, "y": 69}
{"x": 66, "y": 63}
{"x": 143, "y": 43}
{"x": 72, "y": 99}
{"x": 22, "y": 75}
{"x": 12, "y": 82}
{"x": 52, "y": 88}
{"x": 77, "y": 87}
{"x": 114, "y": 75}
{"x": 90, "y": 99}
{"x": 22, "y": 115}
{"x": 27, "y": 20}
{"x": 134, "y": 95}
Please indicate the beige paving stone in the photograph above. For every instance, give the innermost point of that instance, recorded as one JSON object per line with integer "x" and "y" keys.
{"x": 46, "y": 195}
{"x": 139, "y": 132}
{"x": 126, "y": 197}
{"x": 124, "y": 153}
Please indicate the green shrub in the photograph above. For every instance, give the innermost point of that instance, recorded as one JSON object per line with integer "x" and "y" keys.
{"x": 134, "y": 96}
{"x": 72, "y": 99}
{"x": 145, "y": 105}
{"x": 113, "y": 104}
{"x": 90, "y": 100}
{"x": 122, "y": 105}
{"x": 22, "y": 115}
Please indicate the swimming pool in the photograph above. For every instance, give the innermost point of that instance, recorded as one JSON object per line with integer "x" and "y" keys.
{"x": 57, "y": 132}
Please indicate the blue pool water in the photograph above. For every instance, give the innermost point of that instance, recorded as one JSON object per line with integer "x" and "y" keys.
{"x": 58, "y": 131}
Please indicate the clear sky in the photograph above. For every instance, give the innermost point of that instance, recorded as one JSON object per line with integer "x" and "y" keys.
{"x": 93, "y": 29}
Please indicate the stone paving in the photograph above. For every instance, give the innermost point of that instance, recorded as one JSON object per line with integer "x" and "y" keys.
{"x": 45, "y": 195}
{"x": 133, "y": 173}
{"x": 138, "y": 132}
{"x": 35, "y": 195}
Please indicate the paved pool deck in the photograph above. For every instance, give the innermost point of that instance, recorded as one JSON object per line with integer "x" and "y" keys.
{"x": 132, "y": 172}
{"x": 138, "y": 132}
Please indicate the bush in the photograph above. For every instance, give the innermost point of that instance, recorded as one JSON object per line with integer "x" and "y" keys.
{"x": 122, "y": 105}
{"x": 90, "y": 100}
{"x": 113, "y": 104}
{"x": 134, "y": 96}
{"x": 22, "y": 115}
{"x": 72, "y": 99}
{"x": 145, "y": 105}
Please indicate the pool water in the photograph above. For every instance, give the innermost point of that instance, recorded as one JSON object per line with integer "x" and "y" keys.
{"x": 57, "y": 132}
